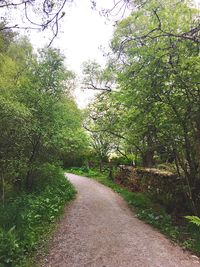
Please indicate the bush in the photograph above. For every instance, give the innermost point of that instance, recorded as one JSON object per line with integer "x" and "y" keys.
{"x": 193, "y": 219}
{"x": 123, "y": 160}
{"x": 25, "y": 220}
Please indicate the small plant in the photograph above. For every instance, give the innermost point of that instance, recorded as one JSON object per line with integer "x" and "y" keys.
{"x": 26, "y": 221}
{"x": 193, "y": 219}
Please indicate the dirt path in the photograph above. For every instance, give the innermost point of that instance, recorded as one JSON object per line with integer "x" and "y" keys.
{"x": 99, "y": 230}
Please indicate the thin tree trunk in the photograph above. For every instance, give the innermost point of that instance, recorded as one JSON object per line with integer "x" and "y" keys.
{"x": 147, "y": 159}
{"x": 110, "y": 176}
{"x": 100, "y": 166}
{"x": 3, "y": 189}
{"x": 189, "y": 191}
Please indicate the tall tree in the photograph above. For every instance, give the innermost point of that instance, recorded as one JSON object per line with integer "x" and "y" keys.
{"x": 40, "y": 122}
{"x": 157, "y": 62}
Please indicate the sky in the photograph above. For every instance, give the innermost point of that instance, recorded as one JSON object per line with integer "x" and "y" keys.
{"x": 83, "y": 31}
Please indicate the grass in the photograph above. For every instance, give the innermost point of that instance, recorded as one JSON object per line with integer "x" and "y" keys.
{"x": 187, "y": 235}
{"x": 27, "y": 220}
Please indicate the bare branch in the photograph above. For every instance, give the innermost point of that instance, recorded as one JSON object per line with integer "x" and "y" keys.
{"x": 91, "y": 86}
{"x": 7, "y": 4}
{"x": 51, "y": 14}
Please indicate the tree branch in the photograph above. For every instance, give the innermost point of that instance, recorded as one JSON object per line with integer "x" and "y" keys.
{"x": 49, "y": 17}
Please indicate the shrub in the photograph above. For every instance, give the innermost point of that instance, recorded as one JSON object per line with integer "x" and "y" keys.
{"x": 25, "y": 220}
{"x": 193, "y": 219}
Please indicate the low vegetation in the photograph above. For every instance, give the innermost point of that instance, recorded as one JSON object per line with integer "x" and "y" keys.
{"x": 26, "y": 220}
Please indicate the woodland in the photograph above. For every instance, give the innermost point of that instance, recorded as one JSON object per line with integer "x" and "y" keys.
{"x": 146, "y": 113}
{"x": 40, "y": 130}
{"x": 148, "y": 107}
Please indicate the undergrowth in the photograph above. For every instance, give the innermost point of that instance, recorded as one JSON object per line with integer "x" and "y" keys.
{"x": 27, "y": 220}
{"x": 187, "y": 235}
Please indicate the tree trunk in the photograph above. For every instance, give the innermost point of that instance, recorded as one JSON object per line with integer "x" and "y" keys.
{"x": 187, "y": 177}
{"x": 110, "y": 176}
{"x": 3, "y": 189}
{"x": 147, "y": 159}
{"x": 101, "y": 166}
{"x": 198, "y": 148}
{"x": 34, "y": 153}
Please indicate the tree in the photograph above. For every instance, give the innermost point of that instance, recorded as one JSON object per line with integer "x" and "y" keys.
{"x": 36, "y": 15}
{"x": 47, "y": 14}
{"x": 46, "y": 93}
{"x": 98, "y": 78}
{"x": 155, "y": 50}
{"x": 158, "y": 56}
{"x": 14, "y": 117}
{"x": 40, "y": 122}
{"x": 101, "y": 123}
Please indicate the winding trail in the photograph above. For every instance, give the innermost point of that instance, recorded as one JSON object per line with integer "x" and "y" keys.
{"x": 99, "y": 230}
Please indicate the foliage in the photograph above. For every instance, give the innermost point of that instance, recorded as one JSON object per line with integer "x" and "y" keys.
{"x": 193, "y": 219}
{"x": 97, "y": 78}
{"x": 153, "y": 110}
{"x": 40, "y": 122}
{"x": 41, "y": 126}
{"x": 26, "y": 219}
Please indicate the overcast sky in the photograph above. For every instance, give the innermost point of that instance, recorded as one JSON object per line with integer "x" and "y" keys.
{"x": 83, "y": 31}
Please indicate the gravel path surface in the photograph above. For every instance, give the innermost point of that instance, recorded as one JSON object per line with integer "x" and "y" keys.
{"x": 99, "y": 230}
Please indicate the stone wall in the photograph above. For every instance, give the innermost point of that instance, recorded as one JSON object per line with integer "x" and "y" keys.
{"x": 163, "y": 187}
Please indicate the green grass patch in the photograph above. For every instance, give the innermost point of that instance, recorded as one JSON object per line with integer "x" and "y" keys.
{"x": 187, "y": 235}
{"x": 28, "y": 219}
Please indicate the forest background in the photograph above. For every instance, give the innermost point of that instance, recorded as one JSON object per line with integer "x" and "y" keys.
{"x": 146, "y": 111}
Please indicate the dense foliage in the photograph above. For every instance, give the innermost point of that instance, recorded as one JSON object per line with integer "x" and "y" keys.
{"x": 40, "y": 130}
{"x": 152, "y": 112}
{"x": 26, "y": 220}
{"x": 40, "y": 122}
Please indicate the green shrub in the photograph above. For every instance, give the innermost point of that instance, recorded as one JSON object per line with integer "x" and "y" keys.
{"x": 122, "y": 160}
{"x": 10, "y": 250}
{"x": 25, "y": 220}
{"x": 193, "y": 219}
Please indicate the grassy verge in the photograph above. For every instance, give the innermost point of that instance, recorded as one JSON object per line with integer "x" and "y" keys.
{"x": 187, "y": 235}
{"x": 27, "y": 220}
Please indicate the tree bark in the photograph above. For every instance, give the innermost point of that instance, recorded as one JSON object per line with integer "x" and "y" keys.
{"x": 147, "y": 159}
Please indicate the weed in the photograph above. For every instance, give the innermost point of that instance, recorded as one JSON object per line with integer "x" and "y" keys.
{"x": 26, "y": 220}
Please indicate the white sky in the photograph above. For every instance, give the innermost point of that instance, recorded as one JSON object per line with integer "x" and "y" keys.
{"x": 82, "y": 32}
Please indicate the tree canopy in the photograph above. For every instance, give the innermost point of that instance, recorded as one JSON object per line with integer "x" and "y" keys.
{"x": 154, "y": 107}
{"x": 40, "y": 121}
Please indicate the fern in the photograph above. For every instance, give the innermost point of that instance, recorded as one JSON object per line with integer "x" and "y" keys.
{"x": 193, "y": 219}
